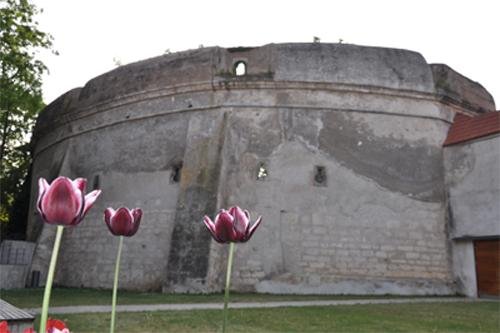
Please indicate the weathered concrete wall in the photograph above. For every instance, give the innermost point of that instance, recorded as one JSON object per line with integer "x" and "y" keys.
{"x": 377, "y": 226}
{"x": 114, "y": 157}
{"x": 189, "y": 252}
{"x": 15, "y": 263}
{"x": 12, "y": 276}
{"x": 453, "y": 88}
{"x": 473, "y": 184}
{"x": 90, "y": 250}
{"x": 352, "y": 64}
{"x": 369, "y": 116}
{"x": 464, "y": 267}
{"x": 473, "y": 189}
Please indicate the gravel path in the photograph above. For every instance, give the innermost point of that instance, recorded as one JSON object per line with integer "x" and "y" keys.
{"x": 244, "y": 305}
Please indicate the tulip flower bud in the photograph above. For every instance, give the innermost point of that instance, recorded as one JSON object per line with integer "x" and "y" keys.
{"x": 232, "y": 225}
{"x": 123, "y": 222}
{"x": 64, "y": 201}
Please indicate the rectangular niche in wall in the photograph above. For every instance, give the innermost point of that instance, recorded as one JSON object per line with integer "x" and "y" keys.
{"x": 175, "y": 174}
{"x": 319, "y": 178}
{"x": 96, "y": 183}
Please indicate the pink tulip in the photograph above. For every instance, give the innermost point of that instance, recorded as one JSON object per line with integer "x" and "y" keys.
{"x": 232, "y": 225}
{"x": 123, "y": 222}
{"x": 64, "y": 201}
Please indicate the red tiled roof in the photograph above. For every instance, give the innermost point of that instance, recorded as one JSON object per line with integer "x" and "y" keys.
{"x": 467, "y": 128}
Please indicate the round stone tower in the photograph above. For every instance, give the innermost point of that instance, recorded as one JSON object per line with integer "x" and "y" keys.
{"x": 338, "y": 147}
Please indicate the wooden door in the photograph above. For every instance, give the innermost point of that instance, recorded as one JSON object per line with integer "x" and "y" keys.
{"x": 487, "y": 255}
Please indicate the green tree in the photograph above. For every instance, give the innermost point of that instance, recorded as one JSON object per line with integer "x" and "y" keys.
{"x": 20, "y": 102}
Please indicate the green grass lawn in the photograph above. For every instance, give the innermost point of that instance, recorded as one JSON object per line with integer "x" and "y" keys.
{"x": 420, "y": 317}
{"x": 32, "y": 298}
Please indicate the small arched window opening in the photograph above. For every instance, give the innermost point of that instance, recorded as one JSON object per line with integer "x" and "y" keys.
{"x": 175, "y": 175}
{"x": 96, "y": 184}
{"x": 319, "y": 175}
{"x": 262, "y": 171}
{"x": 240, "y": 68}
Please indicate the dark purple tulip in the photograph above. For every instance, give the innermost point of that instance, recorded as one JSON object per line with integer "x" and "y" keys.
{"x": 64, "y": 201}
{"x": 123, "y": 222}
{"x": 232, "y": 225}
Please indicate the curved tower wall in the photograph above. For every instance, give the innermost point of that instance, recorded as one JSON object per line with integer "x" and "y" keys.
{"x": 370, "y": 121}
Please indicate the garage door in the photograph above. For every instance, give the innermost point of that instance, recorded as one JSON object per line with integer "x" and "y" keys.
{"x": 487, "y": 253}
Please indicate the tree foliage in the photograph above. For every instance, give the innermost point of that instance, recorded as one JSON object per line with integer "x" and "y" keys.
{"x": 20, "y": 101}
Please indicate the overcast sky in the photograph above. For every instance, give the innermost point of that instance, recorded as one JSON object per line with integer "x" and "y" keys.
{"x": 90, "y": 34}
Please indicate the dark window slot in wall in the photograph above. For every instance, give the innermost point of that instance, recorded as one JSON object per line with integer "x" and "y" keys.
{"x": 319, "y": 175}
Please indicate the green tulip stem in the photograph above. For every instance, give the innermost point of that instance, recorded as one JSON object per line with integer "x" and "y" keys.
{"x": 228, "y": 283}
{"x": 115, "y": 285}
{"x": 50, "y": 279}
